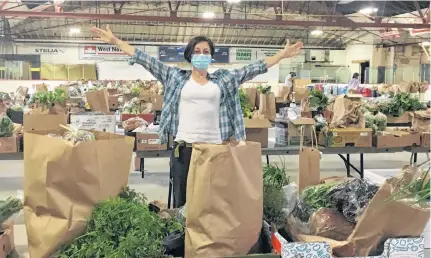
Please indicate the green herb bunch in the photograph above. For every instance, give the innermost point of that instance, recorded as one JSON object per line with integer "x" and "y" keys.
{"x": 49, "y": 98}
{"x": 274, "y": 200}
{"x": 400, "y": 103}
{"x": 318, "y": 196}
{"x": 6, "y": 126}
{"x": 417, "y": 190}
{"x": 263, "y": 89}
{"x": 122, "y": 227}
{"x": 318, "y": 99}
{"x": 9, "y": 207}
{"x": 246, "y": 108}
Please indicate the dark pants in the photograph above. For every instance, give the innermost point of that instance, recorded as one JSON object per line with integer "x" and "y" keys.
{"x": 179, "y": 172}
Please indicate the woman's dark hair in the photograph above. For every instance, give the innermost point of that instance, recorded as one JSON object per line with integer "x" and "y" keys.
{"x": 355, "y": 75}
{"x": 190, "y": 48}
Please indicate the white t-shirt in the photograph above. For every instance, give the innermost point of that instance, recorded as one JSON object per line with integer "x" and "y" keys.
{"x": 199, "y": 113}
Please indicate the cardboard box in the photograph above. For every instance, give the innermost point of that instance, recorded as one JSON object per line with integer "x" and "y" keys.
{"x": 37, "y": 122}
{"x": 112, "y": 91}
{"x": 149, "y": 142}
{"x": 342, "y": 137}
{"x": 102, "y": 123}
{"x": 113, "y": 102}
{"x": 7, "y": 244}
{"x": 8, "y": 144}
{"x": 425, "y": 140}
{"x": 405, "y": 118}
{"x": 287, "y": 132}
{"x": 396, "y": 139}
{"x": 256, "y": 130}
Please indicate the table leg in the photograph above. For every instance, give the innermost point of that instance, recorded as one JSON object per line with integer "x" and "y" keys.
{"x": 415, "y": 158}
{"x": 267, "y": 160}
{"x": 361, "y": 165}
{"x": 170, "y": 193}
{"x": 142, "y": 167}
{"x": 348, "y": 165}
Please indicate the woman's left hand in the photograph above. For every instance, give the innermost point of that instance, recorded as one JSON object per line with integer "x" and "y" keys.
{"x": 291, "y": 50}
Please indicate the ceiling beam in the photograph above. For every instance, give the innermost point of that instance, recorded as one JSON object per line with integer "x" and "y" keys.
{"x": 418, "y": 8}
{"x": 123, "y": 17}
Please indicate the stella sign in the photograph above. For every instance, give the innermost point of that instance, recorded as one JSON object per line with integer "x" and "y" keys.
{"x": 48, "y": 51}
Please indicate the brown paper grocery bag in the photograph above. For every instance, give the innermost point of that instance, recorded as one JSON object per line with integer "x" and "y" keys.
{"x": 224, "y": 200}
{"x": 382, "y": 219}
{"x": 251, "y": 96}
{"x": 63, "y": 182}
{"x": 98, "y": 100}
{"x": 267, "y": 106}
{"x": 301, "y": 92}
{"x": 309, "y": 161}
{"x": 38, "y": 122}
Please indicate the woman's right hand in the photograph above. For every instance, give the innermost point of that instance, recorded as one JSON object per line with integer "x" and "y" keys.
{"x": 105, "y": 35}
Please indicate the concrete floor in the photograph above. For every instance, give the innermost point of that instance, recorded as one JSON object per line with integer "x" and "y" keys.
{"x": 155, "y": 183}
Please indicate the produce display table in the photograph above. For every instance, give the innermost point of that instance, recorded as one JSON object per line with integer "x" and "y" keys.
{"x": 280, "y": 150}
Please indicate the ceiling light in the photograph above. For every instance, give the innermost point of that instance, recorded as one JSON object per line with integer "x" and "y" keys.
{"x": 233, "y": 1}
{"x": 75, "y": 30}
{"x": 368, "y": 10}
{"x": 425, "y": 44}
{"x": 208, "y": 15}
{"x": 316, "y": 32}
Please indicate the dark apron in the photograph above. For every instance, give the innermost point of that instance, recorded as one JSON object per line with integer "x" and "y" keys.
{"x": 179, "y": 170}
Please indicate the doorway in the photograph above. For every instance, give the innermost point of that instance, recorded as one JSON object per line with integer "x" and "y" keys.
{"x": 365, "y": 71}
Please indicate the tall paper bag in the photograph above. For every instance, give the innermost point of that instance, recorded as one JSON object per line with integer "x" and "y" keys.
{"x": 309, "y": 161}
{"x": 224, "y": 200}
{"x": 267, "y": 106}
{"x": 63, "y": 182}
{"x": 98, "y": 100}
{"x": 251, "y": 96}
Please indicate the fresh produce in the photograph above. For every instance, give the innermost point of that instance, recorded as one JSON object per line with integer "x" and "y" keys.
{"x": 400, "y": 103}
{"x": 132, "y": 107}
{"x": 48, "y": 98}
{"x": 275, "y": 176}
{"x": 263, "y": 89}
{"x": 377, "y": 122}
{"x": 274, "y": 200}
{"x": 318, "y": 99}
{"x": 9, "y": 207}
{"x": 4, "y": 95}
{"x": 16, "y": 108}
{"x": 350, "y": 198}
{"x": 318, "y": 196}
{"x": 246, "y": 108}
{"x": 75, "y": 135}
{"x": 122, "y": 227}
{"x": 6, "y": 126}
{"x": 417, "y": 190}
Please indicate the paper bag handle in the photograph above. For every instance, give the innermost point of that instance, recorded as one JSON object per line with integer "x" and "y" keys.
{"x": 313, "y": 135}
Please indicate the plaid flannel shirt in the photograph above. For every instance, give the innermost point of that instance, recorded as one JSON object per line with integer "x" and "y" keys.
{"x": 174, "y": 79}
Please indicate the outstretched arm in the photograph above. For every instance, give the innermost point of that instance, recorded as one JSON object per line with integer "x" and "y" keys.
{"x": 250, "y": 71}
{"x": 151, "y": 64}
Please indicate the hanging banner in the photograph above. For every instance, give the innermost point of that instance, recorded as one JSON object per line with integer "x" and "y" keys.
{"x": 243, "y": 55}
{"x": 101, "y": 52}
{"x": 263, "y": 53}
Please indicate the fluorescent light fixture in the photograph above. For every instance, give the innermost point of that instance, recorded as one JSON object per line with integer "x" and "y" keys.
{"x": 316, "y": 32}
{"x": 75, "y": 30}
{"x": 233, "y": 1}
{"x": 208, "y": 15}
{"x": 368, "y": 10}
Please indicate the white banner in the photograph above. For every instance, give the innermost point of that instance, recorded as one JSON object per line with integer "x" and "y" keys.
{"x": 242, "y": 55}
{"x": 102, "y": 52}
{"x": 47, "y": 50}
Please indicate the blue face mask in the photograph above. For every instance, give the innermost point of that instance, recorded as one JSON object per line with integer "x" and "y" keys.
{"x": 201, "y": 62}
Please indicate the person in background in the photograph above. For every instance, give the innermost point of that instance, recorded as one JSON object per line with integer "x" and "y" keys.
{"x": 354, "y": 82}
{"x": 289, "y": 79}
{"x": 198, "y": 107}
